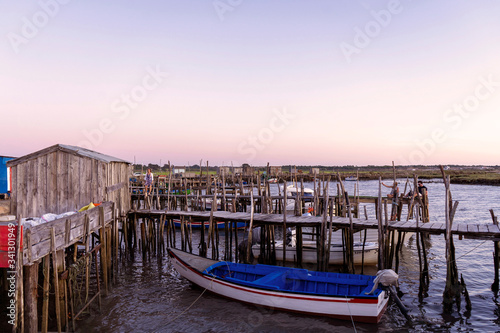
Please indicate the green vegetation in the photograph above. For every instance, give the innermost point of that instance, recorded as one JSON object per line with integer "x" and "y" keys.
{"x": 481, "y": 175}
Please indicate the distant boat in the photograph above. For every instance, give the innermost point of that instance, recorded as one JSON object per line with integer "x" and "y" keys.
{"x": 272, "y": 180}
{"x": 351, "y": 178}
{"x": 292, "y": 191}
{"x": 310, "y": 253}
{"x": 343, "y": 296}
{"x": 197, "y": 224}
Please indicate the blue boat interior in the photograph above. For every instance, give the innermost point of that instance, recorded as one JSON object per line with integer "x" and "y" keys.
{"x": 294, "y": 279}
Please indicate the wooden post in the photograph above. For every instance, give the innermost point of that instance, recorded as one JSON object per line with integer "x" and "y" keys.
{"x": 46, "y": 290}
{"x": 495, "y": 285}
{"x": 284, "y": 228}
{"x": 143, "y": 240}
{"x": 249, "y": 245}
{"x": 103, "y": 241}
{"x": 30, "y": 297}
{"x": 87, "y": 260}
{"x": 61, "y": 297}
{"x": 381, "y": 231}
{"x": 56, "y": 278}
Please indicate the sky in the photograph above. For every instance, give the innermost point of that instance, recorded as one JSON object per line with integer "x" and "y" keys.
{"x": 238, "y": 81}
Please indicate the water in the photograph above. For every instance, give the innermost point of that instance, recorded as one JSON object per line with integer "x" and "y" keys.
{"x": 152, "y": 297}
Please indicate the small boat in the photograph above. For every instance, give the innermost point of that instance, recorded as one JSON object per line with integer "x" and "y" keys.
{"x": 197, "y": 224}
{"x": 368, "y": 256}
{"x": 351, "y": 178}
{"x": 342, "y": 296}
{"x": 292, "y": 190}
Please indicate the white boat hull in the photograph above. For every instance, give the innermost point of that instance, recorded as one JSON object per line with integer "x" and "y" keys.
{"x": 365, "y": 310}
{"x": 310, "y": 254}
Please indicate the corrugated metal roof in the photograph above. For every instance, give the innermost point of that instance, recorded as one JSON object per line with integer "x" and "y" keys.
{"x": 92, "y": 154}
{"x": 69, "y": 149}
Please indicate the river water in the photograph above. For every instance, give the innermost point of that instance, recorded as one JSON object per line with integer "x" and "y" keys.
{"x": 152, "y": 297}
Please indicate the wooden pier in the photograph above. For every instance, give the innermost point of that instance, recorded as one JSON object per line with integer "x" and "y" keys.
{"x": 74, "y": 260}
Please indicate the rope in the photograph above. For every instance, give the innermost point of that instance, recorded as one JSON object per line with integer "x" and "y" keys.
{"x": 350, "y": 314}
{"x": 203, "y": 292}
{"x": 463, "y": 255}
{"x": 191, "y": 305}
{"x": 466, "y": 253}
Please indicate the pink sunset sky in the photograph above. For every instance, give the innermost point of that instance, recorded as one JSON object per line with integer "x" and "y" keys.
{"x": 284, "y": 82}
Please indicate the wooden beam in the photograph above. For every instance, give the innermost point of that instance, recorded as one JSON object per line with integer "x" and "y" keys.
{"x": 116, "y": 187}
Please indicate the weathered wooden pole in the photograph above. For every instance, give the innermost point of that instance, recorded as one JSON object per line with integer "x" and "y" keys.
{"x": 30, "y": 297}
{"x": 46, "y": 290}
{"x": 284, "y": 226}
{"x": 56, "y": 278}
{"x": 496, "y": 251}
{"x": 103, "y": 241}
{"x": 381, "y": 231}
{"x": 169, "y": 189}
{"x": 250, "y": 226}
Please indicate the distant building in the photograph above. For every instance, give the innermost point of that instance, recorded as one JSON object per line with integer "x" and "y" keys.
{"x": 224, "y": 169}
{"x": 238, "y": 170}
{"x": 177, "y": 170}
{"x": 248, "y": 170}
{"x": 275, "y": 171}
{"x": 5, "y": 175}
{"x": 314, "y": 171}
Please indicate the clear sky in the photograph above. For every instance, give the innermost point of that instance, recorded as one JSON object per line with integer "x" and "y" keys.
{"x": 240, "y": 81}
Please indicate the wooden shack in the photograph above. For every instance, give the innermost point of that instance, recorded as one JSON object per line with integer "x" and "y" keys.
{"x": 275, "y": 171}
{"x": 65, "y": 178}
{"x": 224, "y": 169}
{"x": 248, "y": 170}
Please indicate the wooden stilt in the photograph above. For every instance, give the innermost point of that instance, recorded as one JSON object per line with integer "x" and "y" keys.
{"x": 104, "y": 256}
{"x": 56, "y": 278}
{"x": 496, "y": 252}
{"x": 30, "y": 297}
{"x": 46, "y": 290}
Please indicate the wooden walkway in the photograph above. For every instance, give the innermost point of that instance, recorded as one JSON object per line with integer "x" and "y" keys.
{"x": 482, "y": 231}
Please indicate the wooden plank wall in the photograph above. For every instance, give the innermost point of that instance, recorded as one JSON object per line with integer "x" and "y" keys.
{"x": 118, "y": 173}
{"x": 59, "y": 181}
{"x": 40, "y": 235}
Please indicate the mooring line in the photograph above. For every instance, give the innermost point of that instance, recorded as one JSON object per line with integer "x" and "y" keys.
{"x": 463, "y": 255}
{"x": 350, "y": 314}
{"x": 189, "y": 307}
{"x": 466, "y": 253}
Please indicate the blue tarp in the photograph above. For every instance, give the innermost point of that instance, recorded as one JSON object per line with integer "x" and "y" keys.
{"x": 3, "y": 173}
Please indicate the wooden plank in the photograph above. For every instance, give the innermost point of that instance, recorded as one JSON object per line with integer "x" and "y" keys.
{"x": 66, "y": 200}
{"x": 21, "y": 189}
{"x": 462, "y": 228}
{"x": 116, "y": 187}
{"x": 482, "y": 228}
{"x": 101, "y": 178}
{"x": 472, "y": 228}
{"x": 52, "y": 182}
{"x": 426, "y": 226}
{"x": 493, "y": 229}
{"x": 13, "y": 195}
{"x": 41, "y": 184}
{"x": 74, "y": 182}
{"x": 31, "y": 199}
{"x": 438, "y": 226}
{"x": 93, "y": 181}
